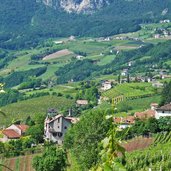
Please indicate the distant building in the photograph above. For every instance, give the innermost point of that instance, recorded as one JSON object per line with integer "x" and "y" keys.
{"x": 13, "y": 132}
{"x": 157, "y": 36}
{"x": 79, "y": 57}
{"x": 106, "y": 85}
{"x": 124, "y": 122}
{"x": 154, "y": 106}
{"x": 81, "y": 102}
{"x": 165, "y": 21}
{"x": 145, "y": 114}
{"x": 124, "y": 72}
{"x": 157, "y": 84}
{"x": 163, "y": 111}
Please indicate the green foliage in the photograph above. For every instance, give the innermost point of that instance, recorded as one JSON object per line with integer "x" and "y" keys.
{"x": 76, "y": 71}
{"x": 83, "y": 138}
{"x": 111, "y": 147}
{"x": 150, "y": 125}
{"x": 156, "y": 157}
{"x": 20, "y": 76}
{"x": 52, "y": 159}
{"x": 166, "y": 93}
{"x": 33, "y": 83}
{"x": 24, "y": 23}
{"x": 10, "y": 96}
{"x": 88, "y": 91}
{"x": 130, "y": 90}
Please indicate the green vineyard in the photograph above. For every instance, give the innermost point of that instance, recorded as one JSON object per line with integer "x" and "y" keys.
{"x": 162, "y": 138}
{"x": 130, "y": 90}
{"x": 158, "y": 158}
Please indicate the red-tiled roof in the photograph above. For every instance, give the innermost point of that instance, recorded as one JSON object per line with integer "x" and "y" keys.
{"x": 22, "y": 127}
{"x": 125, "y": 120}
{"x": 10, "y": 133}
{"x": 146, "y": 114}
{"x": 165, "y": 107}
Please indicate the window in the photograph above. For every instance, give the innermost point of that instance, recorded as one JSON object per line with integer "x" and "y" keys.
{"x": 54, "y": 134}
{"x": 162, "y": 111}
{"x": 60, "y": 134}
{"x": 65, "y": 127}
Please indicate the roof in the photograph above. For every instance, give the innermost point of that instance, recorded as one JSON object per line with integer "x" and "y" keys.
{"x": 72, "y": 119}
{"x": 124, "y": 120}
{"x": 10, "y": 133}
{"x": 54, "y": 118}
{"x": 22, "y": 127}
{"x": 165, "y": 107}
{"x": 82, "y": 102}
{"x": 146, "y": 114}
{"x": 154, "y": 104}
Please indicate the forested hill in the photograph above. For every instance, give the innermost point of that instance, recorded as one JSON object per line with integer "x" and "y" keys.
{"x": 31, "y": 19}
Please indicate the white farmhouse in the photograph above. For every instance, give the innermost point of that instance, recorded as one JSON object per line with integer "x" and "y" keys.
{"x": 163, "y": 111}
{"x": 124, "y": 72}
{"x": 106, "y": 85}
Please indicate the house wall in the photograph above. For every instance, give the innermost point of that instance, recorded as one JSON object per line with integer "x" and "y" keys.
{"x": 4, "y": 139}
{"x": 60, "y": 127}
{"x": 159, "y": 114}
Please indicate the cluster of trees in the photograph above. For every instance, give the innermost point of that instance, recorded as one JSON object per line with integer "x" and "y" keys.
{"x": 16, "y": 147}
{"x": 36, "y": 128}
{"x": 83, "y": 138}
{"x": 166, "y": 93}
{"x": 10, "y": 96}
{"x": 76, "y": 71}
{"x": 32, "y": 83}
{"x": 88, "y": 91}
{"x": 52, "y": 159}
{"x": 151, "y": 125}
{"x": 18, "y": 77}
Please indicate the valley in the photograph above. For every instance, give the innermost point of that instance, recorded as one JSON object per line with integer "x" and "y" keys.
{"x": 110, "y": 87}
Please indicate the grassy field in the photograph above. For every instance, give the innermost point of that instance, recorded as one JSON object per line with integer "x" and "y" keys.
{"x": 129, "y": 90}
{"x": 21, "y": 110}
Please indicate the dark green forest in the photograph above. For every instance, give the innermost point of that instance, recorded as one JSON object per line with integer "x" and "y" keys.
{"x": 24, "y": 23}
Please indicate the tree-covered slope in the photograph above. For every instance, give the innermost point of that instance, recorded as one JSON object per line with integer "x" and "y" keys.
{"x": 30, "y": 19}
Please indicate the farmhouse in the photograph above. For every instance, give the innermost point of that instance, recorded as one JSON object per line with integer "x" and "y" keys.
{"x": 163, "y": 111}
{"x": 81, "y": 102}
{"x": 55, "y": 127}
{"x": 13, "y": 132}
{"x": 124, "y": 72}
{"x": 106, "y": 85}
{"x": 145, "y": 115}
{"x": 124, "y": 122}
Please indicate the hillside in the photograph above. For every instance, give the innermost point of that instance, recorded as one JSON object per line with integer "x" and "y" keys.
{"x": 24, "y": 23}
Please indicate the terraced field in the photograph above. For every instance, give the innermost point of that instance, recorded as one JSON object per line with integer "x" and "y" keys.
{"x": 130, "y": 90}
{"x": 22, "y": 163}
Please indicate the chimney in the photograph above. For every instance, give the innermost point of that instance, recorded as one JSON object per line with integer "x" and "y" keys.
{"x": 70, "y": 112}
